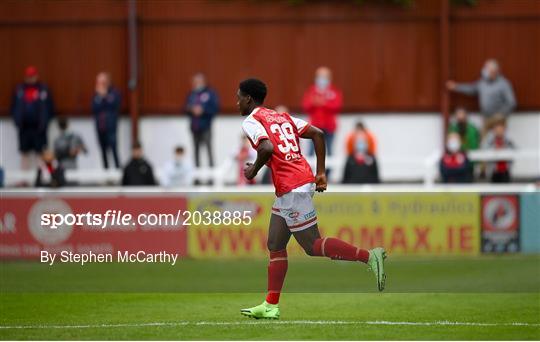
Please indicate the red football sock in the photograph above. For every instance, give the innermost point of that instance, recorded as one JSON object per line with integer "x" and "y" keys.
{"x": 338, "y": 249}
{"x": 277, "y": 269}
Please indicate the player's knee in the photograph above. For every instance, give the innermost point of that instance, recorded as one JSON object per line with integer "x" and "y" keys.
{"x": 274, "y": 246}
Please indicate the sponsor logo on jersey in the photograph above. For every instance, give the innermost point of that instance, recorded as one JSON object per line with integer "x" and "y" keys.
{"x": 309, "y": 215}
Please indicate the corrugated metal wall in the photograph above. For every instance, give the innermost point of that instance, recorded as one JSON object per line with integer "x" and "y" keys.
{"x": 384, "y": 57}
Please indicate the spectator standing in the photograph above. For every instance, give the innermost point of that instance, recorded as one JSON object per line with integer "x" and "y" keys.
{"x": 468, "y": 133}
{"x": 106, "y": 107}
{"x": 495, "y": 93}
{"x": 138, "y": 171}
{"x": 499, "y": 171}
{"x": 454, "y": 165}
{"x": 322, "y": 102}
{"x": 361, "y": 166}
{"x": 179, "y": 171}
{"x": 50, "y": 173}
{"x": 32, "y": 109}
{"x": 202, "y": 105}
{"x": 68, "y": 146}
{"x": 361, "y": 132}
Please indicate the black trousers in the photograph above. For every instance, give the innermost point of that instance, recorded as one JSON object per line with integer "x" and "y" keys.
{"x": 199, "y": 139}
{"x": 108, "y": 142}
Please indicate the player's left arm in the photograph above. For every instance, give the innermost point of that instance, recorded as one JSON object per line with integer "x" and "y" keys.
{"x": 317, "y": 136}
{"x": 265, "y": 149}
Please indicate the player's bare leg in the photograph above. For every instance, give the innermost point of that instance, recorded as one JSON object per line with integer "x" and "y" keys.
{"x": 278, "y": 238}
{"x": 311, "y": 241}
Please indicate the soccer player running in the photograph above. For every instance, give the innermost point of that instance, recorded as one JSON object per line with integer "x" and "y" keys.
{"x": 276, "y": 136}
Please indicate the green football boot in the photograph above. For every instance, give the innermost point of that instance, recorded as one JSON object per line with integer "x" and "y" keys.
{"x": 265, "y": 310}
{"x": 376, "y": 264}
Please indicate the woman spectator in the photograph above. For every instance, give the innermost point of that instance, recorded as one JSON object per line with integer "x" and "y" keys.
{"x": 361, "y": 166}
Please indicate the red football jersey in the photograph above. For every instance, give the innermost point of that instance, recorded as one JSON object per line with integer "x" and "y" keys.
{"x": 289, "y": 168}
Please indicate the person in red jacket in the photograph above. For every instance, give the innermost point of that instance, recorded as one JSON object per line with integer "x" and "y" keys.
{"x": 322, "y": 102}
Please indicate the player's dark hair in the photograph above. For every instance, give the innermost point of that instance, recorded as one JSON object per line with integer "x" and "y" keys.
{"x": 179, "y": 149}
{"x": 254, "y": 88}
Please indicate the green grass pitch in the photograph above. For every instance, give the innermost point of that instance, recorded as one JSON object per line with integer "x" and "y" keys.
{"x": 427, "y": 298}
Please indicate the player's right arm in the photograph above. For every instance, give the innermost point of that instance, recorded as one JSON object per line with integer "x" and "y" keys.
{"x": 258, "y": 137}
{"x": 264, "y": 153}
{"x": 317, "y": 136}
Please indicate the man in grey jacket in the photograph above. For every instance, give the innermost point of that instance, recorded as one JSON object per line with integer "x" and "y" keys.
{"x": 495, "y": 94}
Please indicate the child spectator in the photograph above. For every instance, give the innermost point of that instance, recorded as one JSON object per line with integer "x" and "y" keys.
{"x": 68, "y": 146}
{"x": 499, "y": 171}
{"x": 469, "y": 134}
{"x": 178, "y": 171}
{"x": 50, "y": 173}
{"x": 454, "y": 166}
{"x": 138, "y": 171}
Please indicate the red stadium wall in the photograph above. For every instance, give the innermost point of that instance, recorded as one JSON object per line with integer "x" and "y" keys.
{"x": 384, "y": 57}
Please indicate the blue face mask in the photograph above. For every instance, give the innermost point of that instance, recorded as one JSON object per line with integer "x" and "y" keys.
{"x": 322, "y": 82}
{"x": 361, "y": 146}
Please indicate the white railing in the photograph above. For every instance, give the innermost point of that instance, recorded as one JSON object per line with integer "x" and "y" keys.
{"x": 426, "y": 169}
{"x": 431, "y": 163}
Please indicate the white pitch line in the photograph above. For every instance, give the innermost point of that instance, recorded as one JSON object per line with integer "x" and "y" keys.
{"x": 302, "y": 322}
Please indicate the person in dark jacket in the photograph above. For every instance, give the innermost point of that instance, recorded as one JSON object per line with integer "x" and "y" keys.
{"x": 106, "y": 107}
{"x": 50, "y": 173}
{"x": 202, "y": 105}
{"x": 454, "y": 165}
{"x": 138, "y": 171}
{"x": 32, "y": 109}
{"x": 361, "y": 166}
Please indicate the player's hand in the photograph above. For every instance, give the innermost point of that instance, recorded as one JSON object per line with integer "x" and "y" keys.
{"x": 451, "y": 85}
{"x": 249, "y": 171}
{"x": 320, "y": 182}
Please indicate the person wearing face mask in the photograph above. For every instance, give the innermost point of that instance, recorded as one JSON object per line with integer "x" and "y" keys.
{"x": 322, "y": 102}
{"x": 178, "y": 171}
{"x": 361, "y": 165}
{"x": 202, "y": 105}
{"x": 360, "y": 131}
{"x": 495, "y": 94}
{"x": 469, "y": 134}
{"x": 454, "y": 165}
